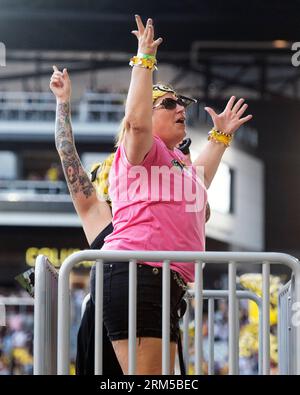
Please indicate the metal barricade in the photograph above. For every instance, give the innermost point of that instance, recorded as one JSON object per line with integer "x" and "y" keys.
{"x": 45, "y": 318}
{"x": 211, "y": 296}
{"x": 266, "y": 259}
{"x": 286, "y": 329}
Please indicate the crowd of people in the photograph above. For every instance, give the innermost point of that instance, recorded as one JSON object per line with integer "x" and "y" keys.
{"x": 16, "y": 337}
{"x": 16, "y": 340}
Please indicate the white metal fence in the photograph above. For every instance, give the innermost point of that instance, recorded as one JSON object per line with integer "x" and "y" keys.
{"x": 286, "y": 329}
{"x": 232, "y": 258}
{"x": 45, "y": 317}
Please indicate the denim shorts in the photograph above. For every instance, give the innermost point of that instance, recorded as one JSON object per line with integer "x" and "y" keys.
{"x": 149, "y": 301}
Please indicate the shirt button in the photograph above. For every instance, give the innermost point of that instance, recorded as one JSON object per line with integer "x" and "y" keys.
{"x": 155, "y": 270}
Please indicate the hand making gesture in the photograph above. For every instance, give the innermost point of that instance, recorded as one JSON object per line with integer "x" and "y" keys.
{"x": 60, "y": 84}
{"x": 145, "y": 35}
{"x": 231, "y": 118}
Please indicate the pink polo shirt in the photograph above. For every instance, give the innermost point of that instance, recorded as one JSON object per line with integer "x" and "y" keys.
{"x": 157, "y": 206}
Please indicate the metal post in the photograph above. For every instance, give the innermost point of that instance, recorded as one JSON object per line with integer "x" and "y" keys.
{"x": 185, "y": 342}
{"x": 260, "y": 340}
{"x": 292, "y": 325}
{"x": 63, "y": 317}
{"x": 198, "y": 317}
{"x": 237, "y": 336}
{"x": 211, "y": 336}
{"x": 132, "y": 318}
{"x": 280, "y": 335}
{"x": 166, "y": 319}
{"x": 99, "y": 318}
{"x": 266, "y": 316}
{"x": 233, "y": 363}
{"x": 295, "y": 318}
{"x": 39, "y": 317}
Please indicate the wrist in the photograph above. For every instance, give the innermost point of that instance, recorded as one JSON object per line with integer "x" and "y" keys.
{"x": 145, "y": 61}
{"x": 62, "y": 100}
{"x": 146, "y": 52}
{"x": 217, "y": 136}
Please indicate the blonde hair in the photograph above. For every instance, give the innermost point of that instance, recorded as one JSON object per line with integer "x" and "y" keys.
{"x": 99, "y": 177}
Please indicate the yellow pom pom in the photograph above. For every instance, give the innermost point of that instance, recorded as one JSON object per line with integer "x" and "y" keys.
{"x": 100, "y": 180}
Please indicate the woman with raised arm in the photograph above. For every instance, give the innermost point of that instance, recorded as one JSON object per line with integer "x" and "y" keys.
{"x": 147, "y": 213}
{"x": 95, "y": 217}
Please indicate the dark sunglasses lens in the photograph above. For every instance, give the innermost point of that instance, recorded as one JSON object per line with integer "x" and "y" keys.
{"x": 169, "y": 104}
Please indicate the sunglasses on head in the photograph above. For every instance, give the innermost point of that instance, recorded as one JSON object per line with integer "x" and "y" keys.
{"x": 163, "y": 88}
{"x": 170, "y": 104}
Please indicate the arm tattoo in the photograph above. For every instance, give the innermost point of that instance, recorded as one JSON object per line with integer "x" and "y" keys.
{"x": 76, "y": 177}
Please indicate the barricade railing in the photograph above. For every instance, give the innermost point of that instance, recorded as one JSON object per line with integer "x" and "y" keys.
{"x": 45, "y": 317}
{"x": 232, "y": 258}
{"x": 211, "y": 296}
{"x": 286, "y": 329}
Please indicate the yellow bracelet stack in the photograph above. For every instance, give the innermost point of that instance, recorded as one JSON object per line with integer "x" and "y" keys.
{"x": 220, "y": 137}
{"x": 143, "y": 60}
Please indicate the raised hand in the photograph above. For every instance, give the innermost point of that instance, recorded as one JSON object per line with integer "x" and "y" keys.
{"x": 60, "y": 84}
{"x": 230, "y": 119}
{"x": 145, "y": 35}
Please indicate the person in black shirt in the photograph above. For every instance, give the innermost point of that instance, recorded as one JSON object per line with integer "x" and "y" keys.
{"x": 95, "y": 217}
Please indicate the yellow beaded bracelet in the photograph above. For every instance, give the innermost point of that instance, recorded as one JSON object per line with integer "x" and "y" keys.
{"x": 147, "y": 63}
{"x": 220, "y": 137}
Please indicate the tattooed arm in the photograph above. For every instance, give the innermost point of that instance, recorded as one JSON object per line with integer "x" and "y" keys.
{"x": 81, "y": 188}
{"x": 94, "y": 214}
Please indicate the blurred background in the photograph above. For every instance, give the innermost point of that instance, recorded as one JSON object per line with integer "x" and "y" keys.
{"x": 211, "y": 50}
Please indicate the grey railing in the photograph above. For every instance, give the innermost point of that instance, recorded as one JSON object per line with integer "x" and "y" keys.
{"x": 211, "y": 296}
{"x": 232, "y": 258}
{"x": 92, "y": 107}
{"x": 286, "y": 330}
{"x": 45, "y": 317}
